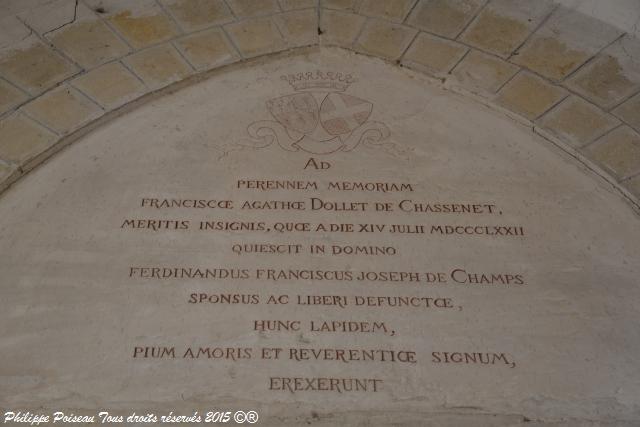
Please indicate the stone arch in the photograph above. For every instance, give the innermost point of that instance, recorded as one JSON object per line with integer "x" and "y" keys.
{"x": 66, "y": 66}
{"x": 561, "y": 304}
{"x": 495, "y": 217}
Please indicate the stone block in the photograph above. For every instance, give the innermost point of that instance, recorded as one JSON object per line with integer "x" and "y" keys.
{"x": 10, "y": 96}
{"x": 612, "y": 76}
{"x": 565, "y": 42}
{"x": 484, "y": 72}
{"x": 207, "y": 49}
{"x": 446, "y": 18}
{"x": 529, "y": 95}
{"x": 256, "y": 36}
{"x": 392, "y": 10}
{"x": 297, "y": 4}
{"x": 578, "y": 122}
{"x": 63, "y": 109}
{"x": 348, "y": 5}
{"x": 299, "y": 27}
{"x": 89, "y": 43}
{"x": 503, "y": 25}
{"x": 142, "y": 23}
{"x": 143, "y": 31}
{"x": 110, "y": 85}
{"x": 618, "y": 151}
{"x": 35, "y": 68}
{"x": 253, "y": 8}
{"x": 629, "y": 111}
{"x": 159, "y": 66}
{"x": 22, "y": 139}
{"x": 385, "y": 39}
{"x": 433, "y": 55}
{"x": 193, "y": 15}
{"x": 633, "y": 185}
{"x": 340, "y": 28}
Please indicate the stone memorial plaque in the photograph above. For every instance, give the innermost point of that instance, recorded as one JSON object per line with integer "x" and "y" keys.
{"x": 320, "y": 239}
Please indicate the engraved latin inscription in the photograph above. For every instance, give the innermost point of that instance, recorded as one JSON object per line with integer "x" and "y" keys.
{"x": 338, "y": 245}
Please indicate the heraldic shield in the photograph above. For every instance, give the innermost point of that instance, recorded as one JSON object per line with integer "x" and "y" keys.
{"x": 318, "y": 122}
{"x": 341, "y": 114}
{"x": 297, "y": 112}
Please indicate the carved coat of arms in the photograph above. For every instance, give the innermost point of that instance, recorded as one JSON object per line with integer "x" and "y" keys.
{"x": 319, "y": 118}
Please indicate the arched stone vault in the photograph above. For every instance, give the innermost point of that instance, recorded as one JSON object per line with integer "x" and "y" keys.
{"x": 67, "y": 66}
{"x": 169, "y": 97}
{"x": 559, "y": 244}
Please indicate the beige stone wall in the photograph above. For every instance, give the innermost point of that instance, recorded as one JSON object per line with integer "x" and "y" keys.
{"x": 66, "y": 64}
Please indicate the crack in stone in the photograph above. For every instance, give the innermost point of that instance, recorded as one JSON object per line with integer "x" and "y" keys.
{"x": 75, "y": 16}
{"x": 28, "y": 35}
